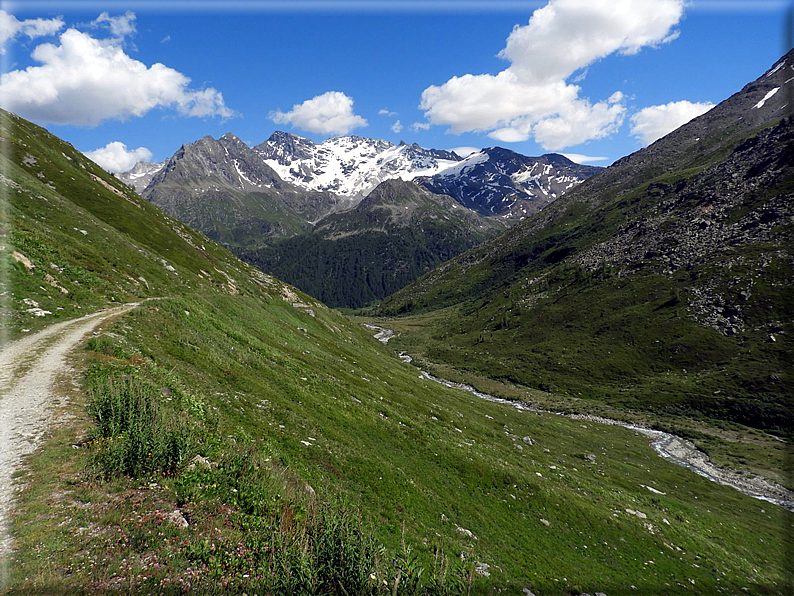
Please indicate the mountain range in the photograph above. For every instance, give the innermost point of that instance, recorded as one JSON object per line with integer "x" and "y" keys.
{"x": 253, "y": 199}
{"x": 493, "y": 181}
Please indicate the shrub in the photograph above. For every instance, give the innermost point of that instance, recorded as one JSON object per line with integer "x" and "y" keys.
{"x": 135, "y": 436}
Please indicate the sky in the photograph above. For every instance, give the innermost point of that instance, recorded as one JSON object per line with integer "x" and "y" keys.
{"x": 592, "y": 79}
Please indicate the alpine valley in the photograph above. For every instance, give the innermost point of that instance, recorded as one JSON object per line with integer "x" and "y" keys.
{"x": 289, "y": 196}
{"x": 662, "y": 285}
{"x": 216, "y": 430}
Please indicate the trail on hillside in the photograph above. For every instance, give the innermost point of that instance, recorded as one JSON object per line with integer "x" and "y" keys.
{"x": 29, "y": 367}
{"x": 668, "y": 446}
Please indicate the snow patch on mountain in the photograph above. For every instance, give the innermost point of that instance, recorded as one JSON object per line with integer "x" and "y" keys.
{"x": 761, "y": 103}
{"x": 141, "y": 174}
{"x": 349, "y": 166}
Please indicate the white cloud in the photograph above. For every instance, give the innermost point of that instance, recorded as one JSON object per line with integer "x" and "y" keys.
{"x": 532, "y": 98}
{"x": 577, "y": 122}
{"x": 417, "y": 126}
{"x": 397, "y": 127}
{"x": 653, "y": 122}
{"x": 114, "y": 157}
{"x": 120, "y": 27}
{"x": 385, "y": 112}
{"x": 583, "y": 159}
{"x": 166, "y": 39}
{"x": 329, "y": 113}
{"x": 85, "y": 81}
{"x": 11, "y": 28}
{"x": 464, "y": 151}
{"x": 567, "y": 35}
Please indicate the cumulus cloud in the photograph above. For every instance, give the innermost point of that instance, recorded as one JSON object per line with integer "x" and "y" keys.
{"x": 397, "y": 127}
{"x": 115, "y": 157}
{"x": 86, "y": 81}
{"x": 329, "y": 113}
{"x": 653, "y": 122}
{"x": 120, "y": 27}
{"x": 11, "y": 28}
{"x": 385, "y": 112}
{"x": 532, "y": 97}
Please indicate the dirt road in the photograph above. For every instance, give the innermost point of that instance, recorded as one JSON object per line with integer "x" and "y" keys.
{"x": 29, "y": 368}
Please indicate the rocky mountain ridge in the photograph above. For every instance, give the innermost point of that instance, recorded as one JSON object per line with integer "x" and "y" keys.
{"x": 500, "y": 182}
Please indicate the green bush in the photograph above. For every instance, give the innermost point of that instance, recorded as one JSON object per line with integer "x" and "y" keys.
{"x": 135, "y": 436}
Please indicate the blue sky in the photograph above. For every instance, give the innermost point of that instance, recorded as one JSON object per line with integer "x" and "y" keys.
{"x": 265, "y": 57}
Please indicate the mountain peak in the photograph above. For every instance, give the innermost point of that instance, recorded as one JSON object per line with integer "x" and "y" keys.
{"x": 229, "y": 137}
{"x": 280, "y": 136}
{"x": 141, "y": 174}
{"x": 499, "y": 182}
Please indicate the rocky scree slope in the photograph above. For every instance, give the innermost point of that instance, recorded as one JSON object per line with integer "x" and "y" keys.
{"x": 394, "y": 235}
{"x": 687, "y": 150}
{"x": 663, "y": 283}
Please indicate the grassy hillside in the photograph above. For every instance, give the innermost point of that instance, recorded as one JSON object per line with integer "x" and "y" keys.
{"x": 76, "y": 238}
{"x": 662, "y": 284}
{"x": 324, "y": 460}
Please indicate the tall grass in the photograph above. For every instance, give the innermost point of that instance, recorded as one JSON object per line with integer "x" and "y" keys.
{"x": 135, "y": 435}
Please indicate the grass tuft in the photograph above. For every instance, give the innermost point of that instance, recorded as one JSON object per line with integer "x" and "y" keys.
{"x": 134, "y": 435}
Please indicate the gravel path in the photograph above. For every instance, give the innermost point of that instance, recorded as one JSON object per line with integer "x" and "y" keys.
{"x": 28, "y": 369}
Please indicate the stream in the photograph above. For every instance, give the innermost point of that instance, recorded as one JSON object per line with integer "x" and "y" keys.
{"x": 668, "y": 446}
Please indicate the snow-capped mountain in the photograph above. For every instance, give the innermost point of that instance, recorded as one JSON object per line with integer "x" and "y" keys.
{"x": 497, "y": 181}
{"x": 288, "y": 181}
{"x": 141, "y": 174}
{"x": 349, "y": 166}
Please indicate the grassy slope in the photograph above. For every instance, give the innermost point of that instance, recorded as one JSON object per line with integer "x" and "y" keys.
{"x": 402, "y": 450}
{"x": 98, "y": 244}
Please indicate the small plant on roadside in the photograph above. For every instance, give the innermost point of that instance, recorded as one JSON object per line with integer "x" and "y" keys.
{"x": 135, "y": 435}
